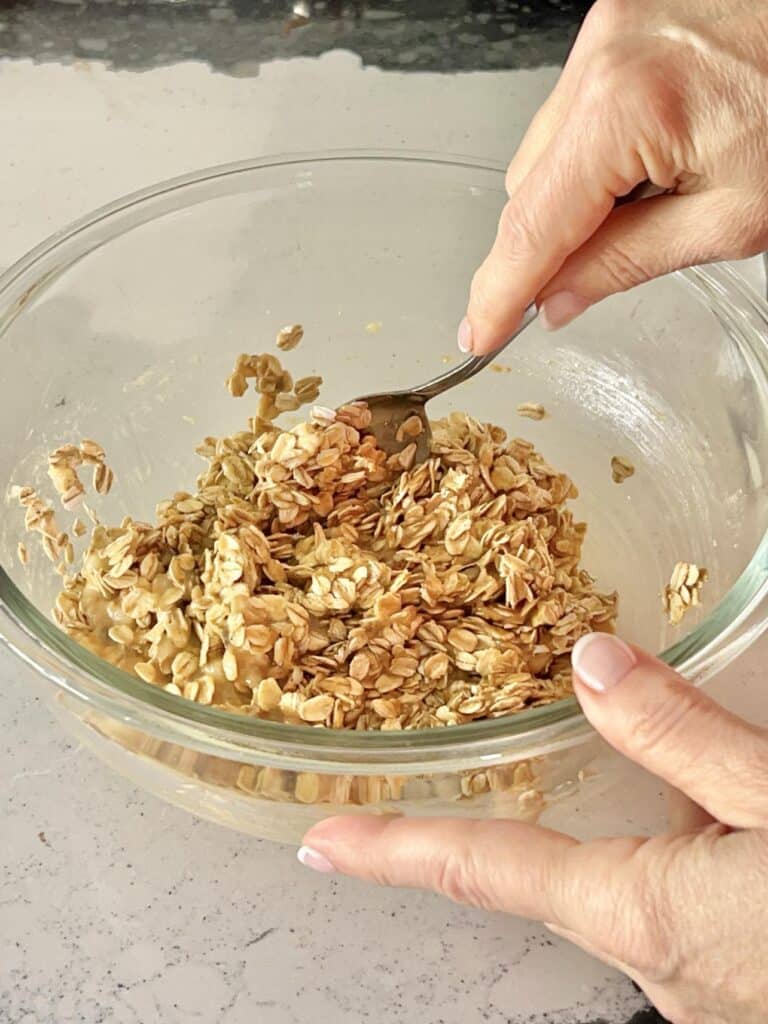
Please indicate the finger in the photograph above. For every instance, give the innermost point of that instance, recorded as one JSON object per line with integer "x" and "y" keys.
{"x": 653, "y": 716}
{"x": 637, "y": 243}
{"x": 562, "y": 201}
{"x": 602, "y": 891}
{"x": 538, "y": 136}
{"x": 497, "y": 865}
{"x": 625, "y": 125}
{"x": 547, "y": 121}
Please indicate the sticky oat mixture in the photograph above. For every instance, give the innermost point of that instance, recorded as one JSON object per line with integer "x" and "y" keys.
{"x": 311, "y": 578}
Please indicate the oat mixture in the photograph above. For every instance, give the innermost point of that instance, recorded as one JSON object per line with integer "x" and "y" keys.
{"x": 312, "y": 578}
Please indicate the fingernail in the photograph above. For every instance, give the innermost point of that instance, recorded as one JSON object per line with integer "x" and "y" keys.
{"x": 559, "y": 309}
{"x": 601, "y": 661}
{"x": 464, "y": 336}
{"x": 314, "y": 859}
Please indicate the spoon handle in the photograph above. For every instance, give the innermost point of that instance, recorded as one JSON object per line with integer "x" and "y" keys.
{"x": 470, "y": 366}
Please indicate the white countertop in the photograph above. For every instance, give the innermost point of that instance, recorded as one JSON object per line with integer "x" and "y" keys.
{"x": 116, "y": 908}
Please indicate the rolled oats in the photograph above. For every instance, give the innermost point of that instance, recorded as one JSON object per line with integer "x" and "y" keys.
{"x": 531, "y": 410}
{"x": 683, "y": 591}
{"x": 278, "y": 393}
{"x": 103, "y": 478}
{"x": 40, "y": 518}
{"x": 621, "y": 469}
{"x": 311, "y": 578}
{"x": 63, "y": 464}
{"x": 289, "y": 337}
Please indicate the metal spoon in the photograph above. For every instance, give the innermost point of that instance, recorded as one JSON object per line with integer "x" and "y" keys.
{"x": 390, "y": 410}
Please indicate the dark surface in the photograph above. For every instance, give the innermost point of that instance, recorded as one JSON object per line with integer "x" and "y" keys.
{"x": 649, "y": 1016}
{"x": 237, "y": 36}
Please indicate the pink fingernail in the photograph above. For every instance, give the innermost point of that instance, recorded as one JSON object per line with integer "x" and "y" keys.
{"x": 601, "y": 661}
{"x": 314, "y": 859}
{"x": 464, "y": 336}
{"x": 559, "y": 309}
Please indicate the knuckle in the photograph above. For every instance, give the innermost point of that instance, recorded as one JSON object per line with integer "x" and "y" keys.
{"x": 458, "y": 879}
{"x": 659, "y": 722}
{"x": 451, "y": 879}
{"x": 621, "y": 269}
{"x": 461, "y": 873}
{"x": 517, "y": 236}
{"x": 522, "y": 237}
{"x": 626, "y": 72}
{"x": 665, "y": 137}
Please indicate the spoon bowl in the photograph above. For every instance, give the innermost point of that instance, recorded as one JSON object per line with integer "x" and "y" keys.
{"x": 399, "y": 418}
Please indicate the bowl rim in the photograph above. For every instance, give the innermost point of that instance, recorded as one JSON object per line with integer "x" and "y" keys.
{"x": 36, "y": 640}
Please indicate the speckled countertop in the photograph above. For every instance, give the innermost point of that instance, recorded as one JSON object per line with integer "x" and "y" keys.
{"x": 113, "y": 907}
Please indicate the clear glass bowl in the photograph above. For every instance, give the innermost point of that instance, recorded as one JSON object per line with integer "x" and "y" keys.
{"x": 124, "y": 327}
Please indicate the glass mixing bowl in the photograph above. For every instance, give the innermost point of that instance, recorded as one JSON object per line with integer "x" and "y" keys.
{"x": 124, "y": 327}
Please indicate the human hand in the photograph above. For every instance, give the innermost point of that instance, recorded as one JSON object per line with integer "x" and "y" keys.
{"x": 685, "y": 914}
{"x": 670, "y": 91}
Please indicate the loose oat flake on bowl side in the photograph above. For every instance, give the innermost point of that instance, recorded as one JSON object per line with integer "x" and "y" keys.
{"x": 532, "y": 410}
{"x": 309, "y": 578}
{"x": 289, "y": 337}
{"x": 683, "y": 591}
{"x": 621, "y": 469}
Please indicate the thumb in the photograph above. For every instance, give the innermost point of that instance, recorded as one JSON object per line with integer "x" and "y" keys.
{"x": 655, "y": 717}
{"x": 638, "y": 242}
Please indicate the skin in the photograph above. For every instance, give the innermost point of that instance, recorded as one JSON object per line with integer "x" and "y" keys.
{"x": 684, "y": 913}
{"x": 677, "y": 94}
